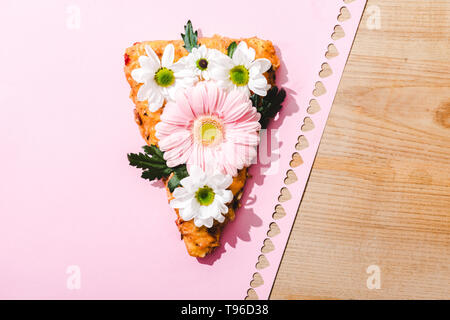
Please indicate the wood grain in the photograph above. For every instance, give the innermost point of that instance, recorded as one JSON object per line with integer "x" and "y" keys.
{"x": 379, "y": 191}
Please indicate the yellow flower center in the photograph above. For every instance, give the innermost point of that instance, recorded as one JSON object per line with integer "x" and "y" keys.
{"x": 164, "y": 77}
{"x": 208, "y": 131}
{"x": 205, "y": 196}
{"x": 239, "y": 75}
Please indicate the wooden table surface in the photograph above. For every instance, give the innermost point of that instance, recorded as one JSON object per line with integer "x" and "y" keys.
{"x": 379, "y": 192}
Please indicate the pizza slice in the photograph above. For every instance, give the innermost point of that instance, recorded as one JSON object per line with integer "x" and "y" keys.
{"x": 200, "y": 106}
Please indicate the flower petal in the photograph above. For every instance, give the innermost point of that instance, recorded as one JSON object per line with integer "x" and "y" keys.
{"x": 190, "y": 184}
{"x": 141, "y": 75}
{"x": 196, "y": 171}
{"x": 220, "y": 181}
{"x": 262, "y": 64}
{"x": 155, "y": 100}
{"x": 203, "y": 51}
{"x": 148, "y": 63}
{"x": 227, "y": 196}
{"x": 258, "y": 85}
{"x": 187, "y": 213}
{"x": 144, "y": 92}
{"x": 152, "y": 55}
{"x": 179, "y": 155}
{"x": 235, "y": 106}
{"x": 243, "y": 55}
{"x": 168, "y": 56}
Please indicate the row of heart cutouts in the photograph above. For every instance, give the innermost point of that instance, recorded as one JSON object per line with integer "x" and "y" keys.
{"x": 302, "y": 143}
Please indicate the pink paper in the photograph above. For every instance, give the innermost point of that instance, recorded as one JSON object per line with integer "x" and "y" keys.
{"x": 68, "y": 198}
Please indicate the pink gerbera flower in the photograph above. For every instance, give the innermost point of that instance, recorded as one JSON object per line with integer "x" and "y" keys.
{"x": 209, "y": 127}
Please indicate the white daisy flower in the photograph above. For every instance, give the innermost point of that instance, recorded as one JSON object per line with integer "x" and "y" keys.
{"x": 203, "y": 197}
{"x": 161, "y": 79}
{"x": 242, "y": 71}
{"x": 202, "y": 60}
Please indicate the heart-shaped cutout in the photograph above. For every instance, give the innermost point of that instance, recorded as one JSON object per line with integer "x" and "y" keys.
{"x": 285, "y": 195}
{"x": 319, "y": 89}
{"x": 279, "y": 212}
{"x": 344, "y": 14}
{"x": 302, "y": 143}
{"x": 257, "y": 280}
{"x": 251, "y": 295}
{"x": 291, "y": 177}
{"x": 332, "y": 51}
{"x": 274, "y": 230}
{"x": 326, "y": 71}
{"x": 268, "y": 246}
{"x": 314, "y": 107}
{"x": 262, "y": 262}
{"x": 296, "y": 160}
{"x": 338, "y": 33}
{"x": 308, "y": 124}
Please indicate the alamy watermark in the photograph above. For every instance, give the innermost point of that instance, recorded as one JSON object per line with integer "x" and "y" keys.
{"x": 73, "y": 281}
{"x": 374, "y": 279}
{"x": 73, "y": 19}
{"x": 374, "y": 17}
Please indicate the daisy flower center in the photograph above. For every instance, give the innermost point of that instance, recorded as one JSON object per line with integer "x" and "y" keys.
{"x": 208, "y": 131}
{"x": 239, "y": 75}
{"x": 202, "y": 64}
{"x": 205, "y": 196}
{"x": 164, "y": 77}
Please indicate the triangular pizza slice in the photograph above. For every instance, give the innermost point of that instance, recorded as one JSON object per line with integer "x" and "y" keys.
{"x": 200, "y": 106}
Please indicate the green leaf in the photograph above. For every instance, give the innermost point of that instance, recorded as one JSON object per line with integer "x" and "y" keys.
{"x": 179, "y": 173}
{"x": 189, "y": 37}
{"x": 154, "y": 151}
{"x": 152, "y": 162}
{"x": 269, "y": 105}
{"x": 154, "y": 166}
{"x": 231, "y": 48}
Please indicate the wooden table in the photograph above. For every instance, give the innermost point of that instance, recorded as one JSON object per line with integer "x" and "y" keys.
{"x": 379, "y": 192}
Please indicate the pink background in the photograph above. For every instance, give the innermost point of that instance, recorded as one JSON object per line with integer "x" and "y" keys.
{"x": 67, "y": 193}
